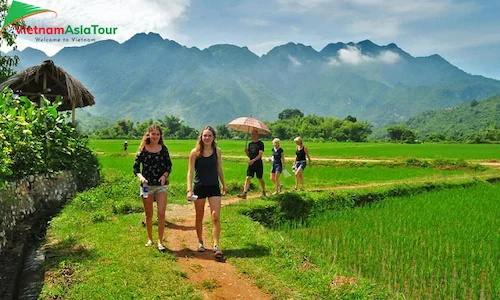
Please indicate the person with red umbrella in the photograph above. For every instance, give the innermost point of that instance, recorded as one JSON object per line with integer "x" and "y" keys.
{"x": 254, "y": 152}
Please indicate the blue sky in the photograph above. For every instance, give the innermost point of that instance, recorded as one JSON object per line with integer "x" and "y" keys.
{"x": 466, "y": 33}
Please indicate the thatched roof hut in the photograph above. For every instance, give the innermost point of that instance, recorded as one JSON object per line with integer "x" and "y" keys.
{"x": 51, "y": 81}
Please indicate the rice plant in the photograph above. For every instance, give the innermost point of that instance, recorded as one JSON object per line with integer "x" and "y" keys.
{"x": 443, "y": 244}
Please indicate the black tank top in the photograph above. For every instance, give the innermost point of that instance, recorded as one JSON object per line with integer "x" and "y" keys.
{"x": 206, "y": 170}
{"x": 301, "y": 154}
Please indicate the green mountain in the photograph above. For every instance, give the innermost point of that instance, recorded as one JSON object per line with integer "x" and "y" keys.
{"x": 464, "y": 120}
{"x": 148, "y": 76}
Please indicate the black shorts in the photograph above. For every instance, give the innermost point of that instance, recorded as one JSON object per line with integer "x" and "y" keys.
{"x": 205, "y": 191}
{"x": 257, "y": 168}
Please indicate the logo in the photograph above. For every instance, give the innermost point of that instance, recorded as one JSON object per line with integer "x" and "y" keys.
{"x": 20, "y": 10}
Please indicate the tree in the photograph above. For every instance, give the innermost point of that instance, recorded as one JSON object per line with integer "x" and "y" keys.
{"x": 395, "y": 132}
{"x": 401, "y": 134}
{"x": 8, "y": 36}
{"x": 222, "y": 132}
{"x": 351, "y": 119}
{"x": 290, "y": 113}
{"x": 279, "y": 131}
{"x": 170, "y": 125}
{"x": 123, "y": 127}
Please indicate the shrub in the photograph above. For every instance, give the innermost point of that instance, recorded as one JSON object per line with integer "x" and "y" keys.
{"x": 38, "y": 140}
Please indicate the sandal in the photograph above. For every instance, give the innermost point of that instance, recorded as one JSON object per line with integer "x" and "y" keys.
{"x": 161, "y": 248}
{"x": 149, "y": 243}
{"x": 218, "y": 253}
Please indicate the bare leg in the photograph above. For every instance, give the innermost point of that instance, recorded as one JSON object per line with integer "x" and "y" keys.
{"x": 247, "y": 184}
{"x": 199, "y": 206}
{"x": 297, "y": 179}
{"x": 277, "y": 181}
{"x": 300, "y": 174}
{"x": 272, "y": 177}
{"x": 262, "y": 185}
{"x": 161, "y": 203}
{"x": 148, "y": 211}
{"x": 215, "y": 205}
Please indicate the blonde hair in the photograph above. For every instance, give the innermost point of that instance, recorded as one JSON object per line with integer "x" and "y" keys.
{"x": 298, "y": 139}
{"x": 276, "y": 141}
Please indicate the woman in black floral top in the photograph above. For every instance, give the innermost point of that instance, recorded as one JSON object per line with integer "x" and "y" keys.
{"x": 156, "y": 168}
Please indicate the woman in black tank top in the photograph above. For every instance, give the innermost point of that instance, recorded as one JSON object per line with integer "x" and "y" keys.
{"x": 206, "y": 167}
{"x": 300, "y": 162}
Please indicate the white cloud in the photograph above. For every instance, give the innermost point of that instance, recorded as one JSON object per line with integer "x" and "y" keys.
{"x": 388, "y": 57}
{"x": 353, "y": 56}
{"x": 294, "y": 61}
{"x": 332, "y": 61}
{"x": 129, "y": 17}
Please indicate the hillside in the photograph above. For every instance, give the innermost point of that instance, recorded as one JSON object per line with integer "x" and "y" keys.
{"x": 466, "y": 119}
{"x": 148, "y": 76}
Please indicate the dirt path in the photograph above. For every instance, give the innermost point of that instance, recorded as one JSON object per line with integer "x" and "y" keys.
{"x": 216, "y": 280}
{"x": 494, "y": 163}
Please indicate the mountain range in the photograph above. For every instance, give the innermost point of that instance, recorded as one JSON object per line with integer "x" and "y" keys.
{"x": 150, "y": 77}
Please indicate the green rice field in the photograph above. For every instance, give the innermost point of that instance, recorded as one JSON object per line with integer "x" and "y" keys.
{"x": 437, "y": 245}
{"x": 332, "y": 150}
{"x": 441, "y": 241}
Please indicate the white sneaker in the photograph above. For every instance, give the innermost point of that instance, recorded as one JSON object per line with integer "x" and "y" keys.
{"x": 200, "y": 247}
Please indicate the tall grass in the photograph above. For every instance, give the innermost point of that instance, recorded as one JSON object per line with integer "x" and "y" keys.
{"x": 442, "y": 244}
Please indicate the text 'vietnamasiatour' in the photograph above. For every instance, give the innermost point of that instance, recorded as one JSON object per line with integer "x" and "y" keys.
{"x": 92, "y": 29}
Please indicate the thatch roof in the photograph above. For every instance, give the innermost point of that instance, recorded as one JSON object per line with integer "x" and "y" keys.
{"x": 51, "y": 81}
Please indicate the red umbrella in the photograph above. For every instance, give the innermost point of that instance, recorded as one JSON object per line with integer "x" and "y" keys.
{"x": 248, "y": 124}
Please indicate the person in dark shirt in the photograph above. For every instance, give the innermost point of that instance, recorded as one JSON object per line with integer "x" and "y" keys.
{"x": 254, "y": 152}
{"x": 205, "y": 165}
{"x": 278, "y": 165}
{"x": 125, "y": 146}
{"x": 300, "y": 162}
{"x": 156, "y": 167}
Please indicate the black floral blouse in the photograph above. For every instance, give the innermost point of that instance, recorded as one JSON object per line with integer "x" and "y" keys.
{"x": 154, "y": 164}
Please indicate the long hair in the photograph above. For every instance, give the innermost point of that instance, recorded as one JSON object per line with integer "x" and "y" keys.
{"x": 146, "y": 140}
{"x": 200, "y": 146}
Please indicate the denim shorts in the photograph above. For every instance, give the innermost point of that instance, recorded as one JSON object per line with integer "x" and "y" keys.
{"x": 156, "y": 189}
{"x": 277, "y": 168}
{"x": 301, "y": 164}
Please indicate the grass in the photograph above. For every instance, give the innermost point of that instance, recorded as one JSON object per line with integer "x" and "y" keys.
{"x": 321, "y": 174}
{"x": 95, "y": 246}
{"x": 441, "y": 244}
{"x": 106, "y": 256}
{"x": 330, "y": 150}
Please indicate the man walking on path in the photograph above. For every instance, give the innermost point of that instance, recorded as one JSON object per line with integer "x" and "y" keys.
{"x": 255, "y": 167}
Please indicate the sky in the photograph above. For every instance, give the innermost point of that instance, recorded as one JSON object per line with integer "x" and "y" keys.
{"x": 465, "y": 33}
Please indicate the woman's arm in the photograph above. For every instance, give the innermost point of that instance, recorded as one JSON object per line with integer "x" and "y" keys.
{"x": 282, "y": 157}
{"x": 190, "y": 173}
{"x": 307, "y": 153}
{"x": 168, "y": 162}
{"x": 137, "y": 167}
{"x": 220, "y": 171}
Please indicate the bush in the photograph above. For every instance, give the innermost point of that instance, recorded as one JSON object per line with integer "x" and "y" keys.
{"x": 38, "y": 140}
